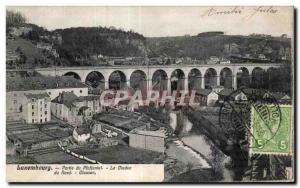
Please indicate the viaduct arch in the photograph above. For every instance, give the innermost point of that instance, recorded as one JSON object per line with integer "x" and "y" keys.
{"x": 160, "y": 77}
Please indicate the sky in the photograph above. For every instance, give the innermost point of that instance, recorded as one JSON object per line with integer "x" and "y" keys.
{"x": 166, "y": 21}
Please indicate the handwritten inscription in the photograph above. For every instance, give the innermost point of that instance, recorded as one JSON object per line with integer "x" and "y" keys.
{"x": 214, "y": 11}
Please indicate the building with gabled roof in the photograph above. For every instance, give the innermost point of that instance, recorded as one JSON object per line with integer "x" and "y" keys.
{"x": 230, "y": 94}
{"x": 81, "y": 135}
{"x": 207, "y": 97}
{"x": 280, "y": 97}
{"x": 18, "y": 87}
{"x": 72, "y": 109}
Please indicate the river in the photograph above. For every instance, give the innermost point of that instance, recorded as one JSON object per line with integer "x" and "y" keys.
{"x": 198, "y": 151}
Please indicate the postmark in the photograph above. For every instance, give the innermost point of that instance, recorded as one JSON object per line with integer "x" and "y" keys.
{"x": 271, "y": 137}
{"x": 236, "y": 115}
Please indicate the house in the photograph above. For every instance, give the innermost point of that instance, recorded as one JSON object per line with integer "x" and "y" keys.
{"x": 39, "y": 84}
{"x": 279, "y": 97}
{"x": 73, "y": 109}
{"x": 18, "y": 87}
{"x": 213, "y": 60}
{"x": 217, "y": 89}
{"x": 229, "y": 94}
{"x": 36, "y": 108}
{"x": 248, "y": 56}
{"x": 97, "y": 128}
{"x": 261, "y": 56}
{"x": 147, "y": 139}
{"x": 207, "y": 97}
{"x": 224, "y": 61}
{"x": 81, "y": 135}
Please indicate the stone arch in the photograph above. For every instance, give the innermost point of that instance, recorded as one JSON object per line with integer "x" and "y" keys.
{"x": 117, "y": 80}
{"x": 210, "y": 78}
{"x": 272, "y": 77}
{"x": 138, "y": 80}
{"x": 258, "y": 78}
{"x": 226, "y": 77}
{"x": 73, "y": 74}
{"x": 159, "y": 80}
{"x": 243, "y": 77}
{"x": 95, "y": 79}
{"x": 194, "y": 79}
{"x": 177, "y": 80}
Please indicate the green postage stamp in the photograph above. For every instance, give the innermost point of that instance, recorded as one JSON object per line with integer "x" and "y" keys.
{"x": 271, "y": 129}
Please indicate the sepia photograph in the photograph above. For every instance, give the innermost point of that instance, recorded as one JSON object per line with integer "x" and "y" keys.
{"x": 170, "y": 94}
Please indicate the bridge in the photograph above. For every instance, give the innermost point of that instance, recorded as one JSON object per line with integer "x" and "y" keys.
{"x": 202, "y": 75}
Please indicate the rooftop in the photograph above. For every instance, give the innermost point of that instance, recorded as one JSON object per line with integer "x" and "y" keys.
{"x": 280, "y": 95}
{"x": 69, "y": 98}
{"x": 42, "y": 83}
{"x": 82, "y": 130}
{"x": 88, "y": 98}
{"x": 66, "y": 98}
{"x": 37, "y": 136}
{"x": 143, "y": 130}
{"x": 126, "y": 120}
{"x": 225, "y": 92}
{"x": 37, "y": 96}
{"x": 203, "y": 91}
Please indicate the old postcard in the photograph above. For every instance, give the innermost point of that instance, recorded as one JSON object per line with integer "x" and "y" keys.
{"x": 150, "y": 94}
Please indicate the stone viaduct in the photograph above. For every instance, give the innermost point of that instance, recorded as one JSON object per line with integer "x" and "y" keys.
{"x": 214, "y": 71}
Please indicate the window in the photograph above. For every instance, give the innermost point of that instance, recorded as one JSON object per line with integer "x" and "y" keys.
{"x": 41, "y": 102}
{"x": 45, "y": 105}
{"x": 41, "y": 109}
{"x": 32, "y": 113}
{"x": 15, "y": 101}
{"x": 41, "y": 115}
{"x": 41, "y": 120}
{"x": 49, "y": 93}
{"x": 45, "y": 112}
{"x": 72, "y": 91}
{"x": 15, "y": 94}
{"x": 80, "y": 91}
{"x": 32, "y": 107}
{"x": 45, "y": 119}
{"x": 32, "y": 120}
{"x": 33, "y": 100}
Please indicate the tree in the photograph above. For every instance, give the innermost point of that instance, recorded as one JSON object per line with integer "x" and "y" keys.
{"x": 14, "y": 19}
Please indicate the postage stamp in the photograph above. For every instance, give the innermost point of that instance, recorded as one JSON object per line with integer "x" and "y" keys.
{"x": 271, "y": 136}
